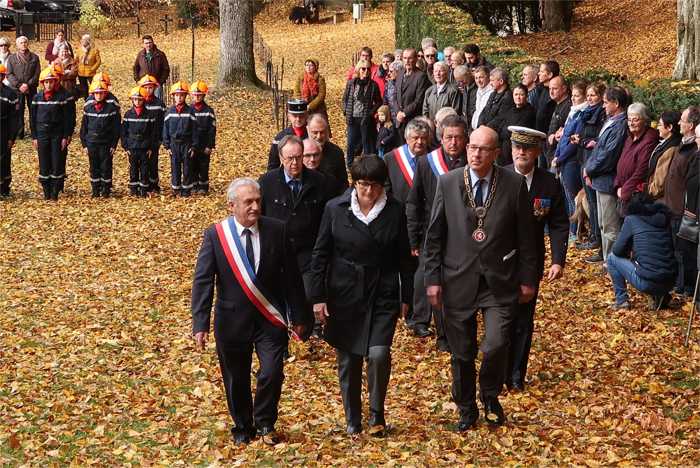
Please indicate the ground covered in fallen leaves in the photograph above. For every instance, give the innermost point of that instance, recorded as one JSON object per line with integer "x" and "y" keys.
{"x": 97, "y": 365}
{"x": 629, "y": 37}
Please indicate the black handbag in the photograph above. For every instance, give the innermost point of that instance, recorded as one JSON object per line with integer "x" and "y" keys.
{"x": 689, "y": 228}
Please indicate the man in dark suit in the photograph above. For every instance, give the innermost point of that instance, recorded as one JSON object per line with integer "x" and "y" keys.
{"x": 548, "y": 208}
{"x": 500, "y": 102}
{"x": 297, "y": 113}
{"x": 480, "y": 254}
{"x": 333, "y": 159}
{"x": 411, "y": 84}
{"x": 451, "y": 155}
{"x": 296, "y": 196}
{"x": 401, "y": 163}
{"x": 249, "y": 260}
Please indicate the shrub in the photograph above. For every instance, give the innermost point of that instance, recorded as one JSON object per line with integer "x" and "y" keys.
{"x": 91, "y": 17}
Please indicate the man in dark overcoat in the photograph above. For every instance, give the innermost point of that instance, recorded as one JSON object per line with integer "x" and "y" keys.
{"x": 248, "y": 259}
{"x": 411, "y": 84}
{"x": 419, "y": 203}
{"x": 480, "y": 255}
{"x": 548, "y": 208}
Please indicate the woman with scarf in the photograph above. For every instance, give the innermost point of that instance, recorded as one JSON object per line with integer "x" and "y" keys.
{"x": 311, "y": 87}
{"x": 89, "y": 62}
{"x": 568, "y": 166}
{"x": 361, "y": 100}
{"x": 52, "y": 48}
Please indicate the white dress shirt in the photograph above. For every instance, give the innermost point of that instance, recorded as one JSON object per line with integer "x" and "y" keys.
{"x": 485, "y": 185}
{"x": 254, "y": 237}
{"x": 528, "y": 176}
{"x": 482, "y": 97}
{"x": 373, "y": 213}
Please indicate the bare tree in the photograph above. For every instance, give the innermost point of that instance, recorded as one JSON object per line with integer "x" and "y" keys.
{"x": 236, "y": 59}
{"x": 688, "y": 55}
{"x": 556, "y": 15}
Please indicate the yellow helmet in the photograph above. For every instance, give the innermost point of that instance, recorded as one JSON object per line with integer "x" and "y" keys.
{"x": 181, "y": 87}
{"x": 58, "y": 69}
{"x": 103, "y": 77}
{"x": 148, "y": 80}
{"x": 199, "y": 87}
{"x": 3, "y": 69}
{"x": 48, "y": 73}
{"x": 138, "y": 92}
{"x": 97, "y": 86}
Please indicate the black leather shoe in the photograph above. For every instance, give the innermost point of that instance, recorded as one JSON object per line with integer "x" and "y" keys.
{"x": 442, "y": 345}
{"x": 422, "y": 331}
{"x": 268, "y": 435}
{"x": 468, "y": 420}
{"x": 354, "y": 429}
{"x": 493, "y": 412}
{"x": 241, "y": 437}
{"x": 597, "y": 258}
{"x": 516, "y": 387}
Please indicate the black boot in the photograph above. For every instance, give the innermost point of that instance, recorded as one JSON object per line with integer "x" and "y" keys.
{"x": 55, "y": 188}
{"x": 106, "y": 190}
{"x": 95, "y": 189}
{"x": 134, "y": 190}
{"x": 46, "y": 185}
{"x": 5, "y": 188}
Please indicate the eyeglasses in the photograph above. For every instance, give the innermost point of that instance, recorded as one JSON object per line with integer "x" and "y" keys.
{"x": 480, "y": 149}
{"x": 452, "y": 137}
{"x": 4, "y": 45}
{"x": 429, "y": 56}
{"x": 293, "y": 158}
{"x": 368, "y": 185}
{"x": 363, "y": 68}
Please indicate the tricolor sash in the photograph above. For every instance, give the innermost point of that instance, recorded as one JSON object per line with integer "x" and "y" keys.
{"x": 403, "y": 159}
{"x": 245, "y": 274}
{"x": 437, "y": 162}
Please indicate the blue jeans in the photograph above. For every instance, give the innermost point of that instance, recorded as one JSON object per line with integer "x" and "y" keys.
{"x": 570, "y": 174}
{"x": 623, "y": 271}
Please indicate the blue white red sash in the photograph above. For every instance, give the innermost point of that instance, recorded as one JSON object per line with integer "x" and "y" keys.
{"x": 403, "y": 159}
{"x": 437, "y": 162}
{"x": 245, "y": 273}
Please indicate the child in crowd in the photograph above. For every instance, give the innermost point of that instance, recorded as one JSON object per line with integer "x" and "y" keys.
{"x": 138, "y": 136}
{"x": 103, "y": 77}
{"x": 180, "y": 136}
{"x": 206, "y": 136}
{"x": 386, "y": 132}
{"x": 99, "y": 135}
{"x": 157, "y": 108}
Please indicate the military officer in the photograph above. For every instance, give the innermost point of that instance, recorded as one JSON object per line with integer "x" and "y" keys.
{"x": 297, "y": 114}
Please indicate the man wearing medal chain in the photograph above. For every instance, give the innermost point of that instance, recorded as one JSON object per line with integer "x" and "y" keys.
{"x": 480, "y": 254}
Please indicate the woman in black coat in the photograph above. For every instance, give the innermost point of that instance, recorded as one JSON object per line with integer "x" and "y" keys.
{"x": 523, "y": 115}
{"x": 361, "y": 100}
{"x": 361, "y": 272}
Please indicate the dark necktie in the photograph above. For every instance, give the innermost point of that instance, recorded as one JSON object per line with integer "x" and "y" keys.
{"x": 295, "y": 186}
{"x": 249, "y": 247}
{"x": 479, "y": 197}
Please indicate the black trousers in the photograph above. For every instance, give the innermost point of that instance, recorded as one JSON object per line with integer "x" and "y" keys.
{"x": 100, "y": 165}
{"x": 138, "y": 169}
{"x": 235, "y": 361}
{"x": 5, "y": 164}
{"x": 199, "y": 168}
{"x": 350, "y": 377}
{"x": 521, "y": 341}
{"x": 180, "y": 165}
{"x": 25, "y": 100}
{"x": 153, "y": 179}
{"x": 461, "y": 329}
{"x": 51, "y": 163}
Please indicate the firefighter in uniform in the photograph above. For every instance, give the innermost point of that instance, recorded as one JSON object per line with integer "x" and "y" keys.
{"x": 9, "y": 109}
{"x": 179, "y": 137}
{"x": 157, "y": 108}
{"x": 138, "y": 137}
{"x": 51, "y": 132}
{"x": 70, "y": 105}
{"x": 297, "y": 113}
{"x": 206, "y": 136}
{"x": 99, "y": 135}
{"x": 103, "y": 77}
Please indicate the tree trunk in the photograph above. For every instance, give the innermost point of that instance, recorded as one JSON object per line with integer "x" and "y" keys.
{"x": 688, "y": 55}
{"x": 236, "y": 59}
{"x": 556, "y": 14}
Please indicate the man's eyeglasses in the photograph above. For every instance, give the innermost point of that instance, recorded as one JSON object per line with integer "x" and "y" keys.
{"x": 293, "y": 158}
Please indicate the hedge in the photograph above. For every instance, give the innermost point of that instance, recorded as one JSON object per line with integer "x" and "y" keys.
{"x": 448, "y": 25}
